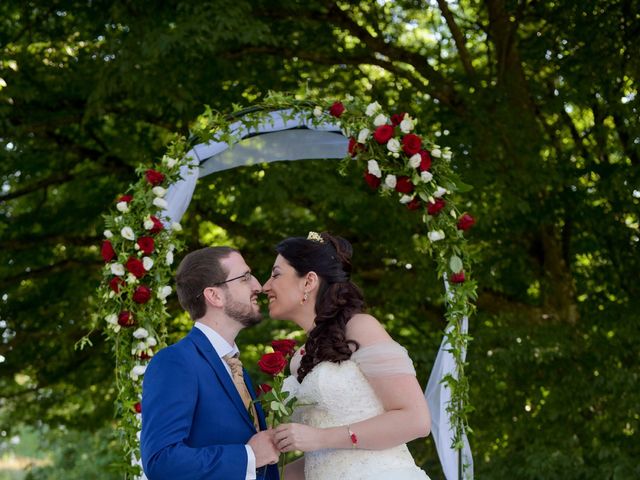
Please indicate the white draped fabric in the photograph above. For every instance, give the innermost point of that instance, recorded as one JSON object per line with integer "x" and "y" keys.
{"x": 297, "y": 139}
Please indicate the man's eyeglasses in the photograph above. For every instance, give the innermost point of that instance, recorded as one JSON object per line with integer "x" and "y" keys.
{"x": 246, "y": 277}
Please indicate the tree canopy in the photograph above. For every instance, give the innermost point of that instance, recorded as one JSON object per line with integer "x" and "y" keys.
{"x": 538, "y": 101}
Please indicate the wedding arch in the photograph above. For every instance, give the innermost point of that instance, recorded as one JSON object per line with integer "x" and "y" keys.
{"x": 142, "y": 235}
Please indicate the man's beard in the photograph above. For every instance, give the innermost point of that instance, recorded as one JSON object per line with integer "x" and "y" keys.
{"x": 243, "y": 313}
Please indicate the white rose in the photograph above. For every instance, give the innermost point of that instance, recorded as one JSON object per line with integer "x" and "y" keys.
{"x": 380, "y": 120}
{"x": 151, "y": 342}
{"x": 140, "y": 333}
{"x": 131, "y": 278}
{"x": 446, "y": 154}
{"x": 435, "y": 235}
{"x": 164, "y": 292}
{"x": 317, "y": 112}
{"x": 405, "y": 199}
{"x": 147, "y": 263}
{"x": 363, "y": 135}
{"x": 160, "y": 202}
{"x": 440, "y": 191}
{"x": 393, "y": 145}
{"x": 137, "y": 371}
{"x": 436, "y": 153}
{"x": 169, "y": 258}
{"x": 415, "y": 160}
{"x": 426, "y": 176}
{"x": 406, "y": 125}
{"x": 112, "y": 319}
{"x": 127, "y": 232}
{"x": 117, "y": 269}
{"x": 373, "y": 168}
{"x": 159, "y": 191}
{"x": 372, "y": 108}
{"x": 390, "y": 181}
{"x": 168, "y": 161}
{"x": 176, "y": 227}
{"x": 140, "y": 346}
{"x": 148, "y": 224}
{"x": 107, "y": 234}
{"x": 122, "y": 207}
{"x": 172, "y": 247}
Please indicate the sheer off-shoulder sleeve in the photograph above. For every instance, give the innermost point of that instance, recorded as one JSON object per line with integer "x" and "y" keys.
{"x": 383, "y": 359}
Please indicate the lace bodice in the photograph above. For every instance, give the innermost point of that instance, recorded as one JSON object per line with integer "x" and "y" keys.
{"x": 334, "y": 395}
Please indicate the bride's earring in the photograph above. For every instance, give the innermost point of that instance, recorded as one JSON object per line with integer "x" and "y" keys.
{"x": 304, "y": 298}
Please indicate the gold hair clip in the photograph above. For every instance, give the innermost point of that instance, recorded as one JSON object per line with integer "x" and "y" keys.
{"x": 315, "y": 236}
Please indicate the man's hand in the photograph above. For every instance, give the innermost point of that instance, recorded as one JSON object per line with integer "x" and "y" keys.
{"x": 264, "y": 449}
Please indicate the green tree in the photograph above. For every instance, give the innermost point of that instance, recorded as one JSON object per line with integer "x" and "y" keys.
{"x": 537, "y": 99}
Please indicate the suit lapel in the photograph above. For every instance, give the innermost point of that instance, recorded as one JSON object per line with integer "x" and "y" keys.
{"x": 204, "y": 346}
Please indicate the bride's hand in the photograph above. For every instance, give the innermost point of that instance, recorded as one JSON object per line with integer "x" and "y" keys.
{"x": 289, "y": 437}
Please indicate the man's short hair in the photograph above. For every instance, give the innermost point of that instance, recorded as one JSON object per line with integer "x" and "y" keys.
{"x": 198, "y": 270}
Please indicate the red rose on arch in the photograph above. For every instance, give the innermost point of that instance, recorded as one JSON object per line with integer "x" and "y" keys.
{"x": 411, "y": 144}
{"x": 404, "y": 185}
{"x": 433, "y": 208}
{"x": 136, "y": 267}
{"x": 372, "y": 180}
{"x": 272, "y": 363}
{"x": 116, "y": 283}
{"x": 414, "y": 204}
{"x": 157, "y": 225}
{"x": 336, "y": 109}
{"x": 125, "y": 319}
{"x": 465, "y": 222}
{"x": 146, "y": 245}
{"x": 125, "y": 198}
{"x": 142, "y": 294}
{"x": 154, "y": 177}
{"x": 286, "y": 346}
{"x": 107, "y": 251}
{"x": 396, "y": 118}
{"x": 425, "y": 163}
{"x": 458, "y": 277}
{"x": 383, "y": 133}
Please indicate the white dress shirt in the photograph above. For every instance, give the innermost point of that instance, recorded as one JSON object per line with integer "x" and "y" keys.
{"x": 223, "y": 348}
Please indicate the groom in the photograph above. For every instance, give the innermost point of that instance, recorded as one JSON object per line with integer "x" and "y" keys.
{"x": 198, "y": 421}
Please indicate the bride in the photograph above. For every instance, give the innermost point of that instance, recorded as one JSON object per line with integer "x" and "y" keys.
{"x": 363, "y": 401}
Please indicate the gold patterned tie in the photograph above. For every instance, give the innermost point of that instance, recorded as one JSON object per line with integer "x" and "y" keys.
{"x": 235, "y": 365}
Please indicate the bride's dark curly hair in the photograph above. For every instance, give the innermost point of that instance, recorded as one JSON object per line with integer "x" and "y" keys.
{"x": 338, "y": 298}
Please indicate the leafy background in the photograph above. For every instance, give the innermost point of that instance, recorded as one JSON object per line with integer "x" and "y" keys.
{"x": 538, "y": 100}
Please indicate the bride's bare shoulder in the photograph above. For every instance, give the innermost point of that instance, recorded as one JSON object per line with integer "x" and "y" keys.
{"x": 366, "y": 330}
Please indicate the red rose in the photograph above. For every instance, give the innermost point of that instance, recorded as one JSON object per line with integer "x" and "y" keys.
{"x": 272, "y": 363}
{"x": 466, "y": 221}
{"x": 264, "y": 388}
{"x": 138, "y": 407}
{"x": 142, "y": 294}
{"x": 157, "y": 225}
{"x": 355, "y": 147}
{"x": 286, "y": 346}
{"x": 414, "y": 204}
{"x": 107, "y": 251}
{"x": 146, "y": 245}
{"x": 396, "y": 118}
{"x": 411, "y": 144}
{"x": 425, "y": 164}
{"x": 458, "y": 277}
{"x": 125, "y": 319}
{"x": 116, "y": 283}
{"x": 383, "y": 133}
{"x": 125, "y": 198}
{"x": 136, "y": 267}
{"x": 372, "y": 180}
{"x": 435, "y": 207}
{"x": 154, "y": 177}
{"x": 404, "y": 185}
{"x": 336, "y": 109}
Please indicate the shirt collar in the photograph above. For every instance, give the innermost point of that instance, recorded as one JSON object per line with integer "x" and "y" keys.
{"x": 220, "y": 345}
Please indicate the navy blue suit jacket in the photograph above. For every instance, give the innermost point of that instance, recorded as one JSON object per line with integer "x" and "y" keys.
{"x": 194, "y": 423}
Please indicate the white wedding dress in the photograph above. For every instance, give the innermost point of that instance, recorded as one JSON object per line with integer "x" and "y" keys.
{"x": 339, "y": 395}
